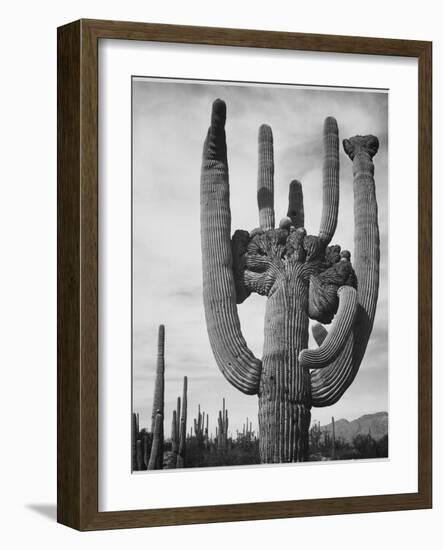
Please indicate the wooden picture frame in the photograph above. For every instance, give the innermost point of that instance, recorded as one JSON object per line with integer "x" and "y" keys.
{"x": 77, "y": 455}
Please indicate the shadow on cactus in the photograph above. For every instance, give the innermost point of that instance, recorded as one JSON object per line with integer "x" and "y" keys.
{"x": 303, "y": 277}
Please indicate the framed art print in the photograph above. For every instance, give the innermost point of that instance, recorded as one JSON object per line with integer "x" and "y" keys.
{"x": 244, "y": 274}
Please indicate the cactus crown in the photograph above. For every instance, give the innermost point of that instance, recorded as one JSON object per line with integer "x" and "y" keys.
{"x": 265, "y": 257}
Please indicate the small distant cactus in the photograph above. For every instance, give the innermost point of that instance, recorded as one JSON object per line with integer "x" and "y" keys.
{"x": 207, "y": 431}
{"x": 222, "y": 432}
{"x": 303, "y": 278}
{"x": 182, "y": 443}
{"x": 315, "y": 435}
{"x": 333, "y": 440}
{"x": 199, "y": 428}
{"x": 247, "y": 430}
{"x": 174, "y": 439}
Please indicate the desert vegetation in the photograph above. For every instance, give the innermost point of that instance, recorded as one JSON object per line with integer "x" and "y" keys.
{"x": 324, "y": 444}
{"x": 206, "y": 443}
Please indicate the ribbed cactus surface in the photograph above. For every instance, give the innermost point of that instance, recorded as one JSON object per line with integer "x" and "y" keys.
{"x": 303, "y": 278}
{"x": 331, "y": 167}
{"x": 234, "y": 358}
{"x": 265, "y": 180}
{"x": 329, "y": 384}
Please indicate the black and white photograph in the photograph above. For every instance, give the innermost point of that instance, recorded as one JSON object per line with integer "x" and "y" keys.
{"x": 260, "y": 270}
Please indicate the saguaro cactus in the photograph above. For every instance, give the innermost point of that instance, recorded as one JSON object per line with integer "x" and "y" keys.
{"x": 159, "y": 398}
{"x": 184, "y": 414}
{"x": 302, "y": 276}
{"x": 174, "y": 439}
{"x": 222, "y": 432}
{"x": 199, "y": 427}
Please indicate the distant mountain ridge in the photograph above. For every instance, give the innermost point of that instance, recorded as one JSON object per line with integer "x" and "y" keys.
{"x": 376, "y": 424}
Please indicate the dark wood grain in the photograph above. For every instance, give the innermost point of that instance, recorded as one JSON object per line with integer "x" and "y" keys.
{"x": 68, "y": 276}
{"x": 77, "y": 455}
{"x": 425, "y": 274}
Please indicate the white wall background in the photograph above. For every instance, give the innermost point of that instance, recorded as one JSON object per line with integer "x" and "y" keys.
{"x": 28, "y": 274}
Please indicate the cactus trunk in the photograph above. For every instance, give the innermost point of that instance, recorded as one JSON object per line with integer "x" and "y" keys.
{"x": 284, "y": 398}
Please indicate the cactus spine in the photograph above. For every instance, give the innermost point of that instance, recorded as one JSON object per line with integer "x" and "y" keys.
{"x": 302, "y": 276}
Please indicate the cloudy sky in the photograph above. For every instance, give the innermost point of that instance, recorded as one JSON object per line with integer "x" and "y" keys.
{"x": 170, "y": 121}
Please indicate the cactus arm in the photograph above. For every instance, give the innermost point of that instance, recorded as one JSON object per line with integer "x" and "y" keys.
{"x": 329, "y": 384}
{"x": 237, "y": 363}
{"x": 335, "y": 341}
{"x": 361, "y": 150}
{"x": 331, "y": 165}
{"x": 265, "y": 180}
{"x": 295, "y": 208}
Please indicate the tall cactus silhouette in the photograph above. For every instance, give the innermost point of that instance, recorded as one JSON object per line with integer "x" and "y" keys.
{"x": 158, "y": 407}
{"x": 182, "y": 430}
{"x": 222, "y": 432}
{"x": 174, "y": 439}
{"x": 303, "y": 278}
{"x": 199, "y": 427}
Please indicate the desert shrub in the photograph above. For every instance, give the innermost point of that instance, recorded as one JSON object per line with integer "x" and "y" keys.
{"x": 382, "y": 447}
{"x": 365, "y": 445}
